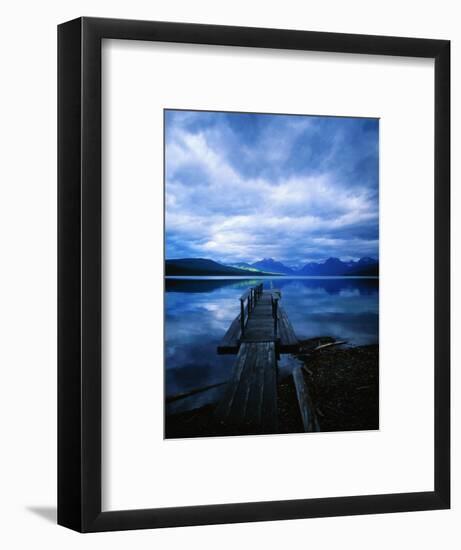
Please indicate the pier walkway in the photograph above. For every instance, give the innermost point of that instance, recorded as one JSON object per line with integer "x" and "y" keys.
{"x": 261, "y": 319}
{"x": 259, "y": 333}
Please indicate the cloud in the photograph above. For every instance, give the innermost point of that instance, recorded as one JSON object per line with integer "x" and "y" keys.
{"x": 240, "y": 187}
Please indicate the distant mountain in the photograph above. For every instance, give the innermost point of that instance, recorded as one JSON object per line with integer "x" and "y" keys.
{"x": 271, "y": 265}
{"x": 268, "y": 266}
{"x": 332, "y": 266}
{"x": 201, "y": 266}
{"x": 335, "y": 266}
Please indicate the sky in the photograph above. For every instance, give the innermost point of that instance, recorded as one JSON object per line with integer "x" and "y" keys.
{"x": 240, "y": 187}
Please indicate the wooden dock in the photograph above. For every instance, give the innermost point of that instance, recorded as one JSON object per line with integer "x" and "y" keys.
{"x": 261, "y": 319}
{"x": 259, "y": 333}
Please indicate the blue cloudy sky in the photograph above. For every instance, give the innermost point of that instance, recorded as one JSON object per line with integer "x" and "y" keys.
{"x": 242, "y": 187}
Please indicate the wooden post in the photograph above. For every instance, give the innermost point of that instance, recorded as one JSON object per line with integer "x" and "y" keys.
{"x": 242, "y": 317}
{"x": 275, "y": 303}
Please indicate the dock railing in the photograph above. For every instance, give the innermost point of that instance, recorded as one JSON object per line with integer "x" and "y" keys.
{"x": 248, "y": 300}
{"x": 275, "y": 306}
{"x": 261, "y": 318}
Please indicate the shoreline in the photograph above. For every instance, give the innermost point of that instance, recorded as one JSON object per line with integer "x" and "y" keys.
{"x": 343, "y": 385}
{"x": 274, "y": 276}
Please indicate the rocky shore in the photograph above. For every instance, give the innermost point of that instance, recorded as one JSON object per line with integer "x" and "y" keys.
{"x": 343, "y": 385}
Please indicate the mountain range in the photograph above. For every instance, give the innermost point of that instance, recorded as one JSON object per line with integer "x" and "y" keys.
{"x": 334, "y": 266}
{"x": 268, "y": 266}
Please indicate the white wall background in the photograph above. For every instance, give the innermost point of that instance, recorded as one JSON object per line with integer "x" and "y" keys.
{"x": 28, "y": 271}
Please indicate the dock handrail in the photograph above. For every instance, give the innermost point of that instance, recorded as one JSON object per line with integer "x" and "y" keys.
{"x": 251, "y": 296}
{"x": 275, "y": 305}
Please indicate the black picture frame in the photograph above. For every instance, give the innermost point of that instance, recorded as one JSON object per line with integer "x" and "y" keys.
{"x": 79, "y": 274}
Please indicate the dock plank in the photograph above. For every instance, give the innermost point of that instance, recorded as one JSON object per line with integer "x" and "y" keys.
{"x": 250, "y": 403}
{"x": 231, "y": 340}
{"x": 269, "y": 401}
{"x": 288, "y": 339}
{"x": 224, "y": 406}
{"x": 255, "y": 397}
{"x": 260, "y": 325}
{"x": 237, "y": 412}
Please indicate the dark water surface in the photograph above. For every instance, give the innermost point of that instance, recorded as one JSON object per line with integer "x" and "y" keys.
{"x": 198, "y": 311}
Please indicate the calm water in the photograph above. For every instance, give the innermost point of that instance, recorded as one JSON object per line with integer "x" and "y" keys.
{"x": 199, "y": 311}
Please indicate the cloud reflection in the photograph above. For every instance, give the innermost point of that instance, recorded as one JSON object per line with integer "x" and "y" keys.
{"x": 198, "y": 313}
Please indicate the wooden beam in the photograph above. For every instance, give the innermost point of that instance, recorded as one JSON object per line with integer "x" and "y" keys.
{"x": 306, "y": 409}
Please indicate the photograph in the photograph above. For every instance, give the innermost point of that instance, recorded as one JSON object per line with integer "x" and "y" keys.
{"x": 271, "y": 302}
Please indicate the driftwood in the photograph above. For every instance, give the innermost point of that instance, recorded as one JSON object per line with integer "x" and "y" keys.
{"x": 306, "y": 409}
{"x": 306, "y": 347}
{"x": 323, "y": 346}
{"x": 310, "y": 342}
{"x": 172, "y": 398}
{"x": 304, "y": 354}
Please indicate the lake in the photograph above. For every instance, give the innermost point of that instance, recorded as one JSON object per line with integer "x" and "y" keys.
{"x": 199, "y": 310}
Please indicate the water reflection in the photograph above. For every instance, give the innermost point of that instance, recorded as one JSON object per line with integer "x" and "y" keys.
{"x": 199, "y": 311}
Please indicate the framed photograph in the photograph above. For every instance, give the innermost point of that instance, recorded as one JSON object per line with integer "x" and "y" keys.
{"x": 254, "y": 274}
